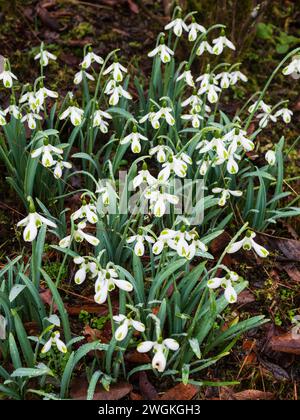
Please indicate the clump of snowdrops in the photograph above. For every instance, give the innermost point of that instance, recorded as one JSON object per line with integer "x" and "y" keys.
{"x": 139, "y": 149}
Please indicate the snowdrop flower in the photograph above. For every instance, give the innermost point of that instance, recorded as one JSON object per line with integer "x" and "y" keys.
{"x": 44, "y": 57}
{"x": 195, "y": 244}
{"x": 222, "y": 42}
{"x": 247, "y": 244}
{"x": 260, "y": 105}
{"x": 164, "y": 238}
{"x": 7, "y": 76}
{"x": 86, "y": 211}
{"x": 225, "y": 282}
{"x": 212, "y": 93}
{"x": 216, "y": 144}
{"x": 270, "y": 157}
{"x": 117, "y": 71}
{"x": 54, "y": 339}
{"x": 204, "y": 46}
{"x": 187, "y": 76}
{"x": 99, "y": 120}
{"x": 264, "y": 118}
{"x": 193, "y": 29}
{"x": 2, "y": 118}
{"x": 152, "y": 118}
{"x": 158, "y": 201}
{"x": 180, "y": 243}
{"x": 160, "y": 349}
{"x": 80, "y": 75}
{"x": 285, "y": 113}
{"x": 14, "y": 111}
{"x": 134, "y": 138}
{"x": 195, "y": 102}
{"x": 165, "y": 113}
{"x": 107, "y": 280}
{"x": 139, "y": 239}
{"x": 178, "y": 26}
{"x": 175, "y": 164}
{"x": 163, "y": 51}
{"x": 225, "y": 194}
{"x": 31, "y": 118}
{"x": 293, "y": 67}
{"x": 194, "y": 118}
{"x": 46, "y": 151}
{"x": 35, "y": 102}
{"x": 79, "y": 235}
{"x": 205, "y": 164}
{"x": 125, "y": 323}
{"x": 33, "y": 222}
{"x": 86, "y": 267}
{"x": 89, "y": 58}
{"x": 160, "y": 152}
{"x": 225, "y": 79}
{"x": 116, "y": 92}
{"x": 59, "y": 167}
{"x": 75, "y": 114}
{"x": 237, "y": 75}
{"x": 143, "y": 176}
{"x": 237, "y": 137}
{"x": 44, "y": 93}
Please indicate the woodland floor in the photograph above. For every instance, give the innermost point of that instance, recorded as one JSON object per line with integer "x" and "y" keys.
{"x": 266, "y": 362}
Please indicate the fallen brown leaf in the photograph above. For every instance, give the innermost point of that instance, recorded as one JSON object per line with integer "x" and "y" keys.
{"x": 253, "y": 394}
{"x": 47, "y": 297}
{"x": 180, "y": 392}
{"x": 146, "y": 388}
{"x": 285, "y": 343}
{"x": 79, "y": 388}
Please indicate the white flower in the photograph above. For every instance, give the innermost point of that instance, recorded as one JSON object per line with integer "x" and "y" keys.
{"x": 75, "y": 114}
{"x": 139, "y": 239}
{"x": 7, "y": 77}
{"x": 89, "y": 58}
{"x": 194, "y": 28}
{"x": 79, "y": 235}
{"x": 270, "y": 157}
{"x": 87, "y": 211}
{"x": 285, "y": 113}
{"x": 116, "y": 92}
{"x": 165, "y": 113}
{"x": 237, "y": 75}
{"x": 13, "y": 110}
{"x": 188, "y": 77}
{"x": 32, "y": 223}
{"x": 175, "y": 164}
{"x": 43, "y": 93}
{"x": 163, "y": 51}
{"x": 116, "y": 69}
{"x": 160, "y": 152}
{"x": 194, "y": 118}
{"x": 204, "y": 46}
{"x": 143, "y": 176}
{"x": 178, "y": 26}
{"x": 225, "y": 194}
{"x": 160, "y": 349}
{"x": 220, "y": 43}
{"x": 134, "y": 138}
{"x": 224, "y": 79}
{"x": 54, "y": 339}
{"x": 247, "y": 244}
{"x": 46, "y": 151}
{"x": 2, "y": 118}
{"x": 85, "y": 267}
{"x": 225, "y": 282}
{"x": 264, "y": 118}
{"x": 293, "y": 67}
{"x": 164, "y": 238}
{"x": 59, "y": 166}
{"x": 205, "y": 164}
{"x": 158, "y": 201}
{"x": 196, "y": 103}
{"x": 99, "y": 121}
{"x": 260, "y": 105}
{"x": 107, "y": 280}
{"x": 44, "y": 57}
{"x": 186, "y": 243}
{"x": 216, "y": 144}
{"x": 35, "y": 101}
{"x": 80, "y": 75}
{"x": 125, "y": 323}
{"x": 31, "y": 119}
{"x": 151, "y": 116}
{"x": 237, "y": 137}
